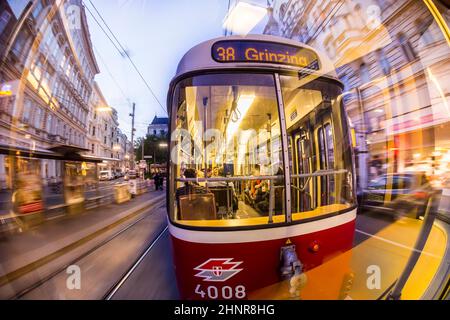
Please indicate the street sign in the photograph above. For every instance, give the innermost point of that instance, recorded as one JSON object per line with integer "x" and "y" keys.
{"x": 148, "y": 157}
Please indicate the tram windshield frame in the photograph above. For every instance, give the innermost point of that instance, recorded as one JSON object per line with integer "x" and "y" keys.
{"x": 285, "y": 179}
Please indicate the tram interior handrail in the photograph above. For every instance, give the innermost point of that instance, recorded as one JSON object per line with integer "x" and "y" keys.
{"x": 318, "y": 173}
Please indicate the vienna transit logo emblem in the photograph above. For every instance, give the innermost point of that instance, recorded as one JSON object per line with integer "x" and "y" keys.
{"x": 218, "y": 269}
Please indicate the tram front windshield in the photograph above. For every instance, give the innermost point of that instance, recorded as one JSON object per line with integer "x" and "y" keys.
{"x": 227, "y": 155}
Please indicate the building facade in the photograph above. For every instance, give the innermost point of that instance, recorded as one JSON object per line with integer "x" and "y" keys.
{"x": 105, "y": 139}
{"x": 49, "y": 67}
{"x": 395, "y": 65}
{"x": 48, "y": 95}
{"x": 158, "y": 126}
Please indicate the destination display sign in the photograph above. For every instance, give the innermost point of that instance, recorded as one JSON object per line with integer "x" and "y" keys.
{"x": 264, "y": 52}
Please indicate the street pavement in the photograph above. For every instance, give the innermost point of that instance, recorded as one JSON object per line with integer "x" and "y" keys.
{"x": 23, "y": 252}
{"x": 103, "y": 268}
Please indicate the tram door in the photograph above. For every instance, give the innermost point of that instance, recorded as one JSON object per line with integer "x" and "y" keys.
{"x": 325, "y": 159}
{"x": 302, "y": 187}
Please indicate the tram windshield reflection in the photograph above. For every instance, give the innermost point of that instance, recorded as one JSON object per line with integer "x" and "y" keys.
{"x": 235, "y": 173}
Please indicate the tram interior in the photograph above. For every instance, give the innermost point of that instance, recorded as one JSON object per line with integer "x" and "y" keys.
{"x": 241, "y": 152}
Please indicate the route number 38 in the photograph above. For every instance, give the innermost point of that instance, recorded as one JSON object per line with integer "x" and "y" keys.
{"x": 226, "y": 54}
{"x": 226, "y": 292}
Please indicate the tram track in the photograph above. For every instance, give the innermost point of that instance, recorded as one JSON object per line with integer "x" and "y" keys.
{"x": 118, "y": 285}
{"x": 144, "y": 212}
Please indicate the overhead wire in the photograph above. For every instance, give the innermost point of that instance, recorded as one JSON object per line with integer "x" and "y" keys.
{"x": 123, "y": 51}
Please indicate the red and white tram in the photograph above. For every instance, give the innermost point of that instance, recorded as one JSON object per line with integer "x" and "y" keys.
{"x": 261, "y": 176}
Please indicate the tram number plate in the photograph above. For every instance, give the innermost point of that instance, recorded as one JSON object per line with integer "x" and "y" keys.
{"x": 223, "y": 293}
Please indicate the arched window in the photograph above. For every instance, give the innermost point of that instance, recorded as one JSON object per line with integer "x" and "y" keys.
{"x": 282, "y": 10}
{"x": 384, "y": 62}
{"x": 364, "y": 73}
{"x": 424, "y": 32}
{"x": 406, "y": 46}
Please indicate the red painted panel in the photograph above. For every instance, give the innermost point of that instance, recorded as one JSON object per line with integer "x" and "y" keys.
{"x": 252, "y": 265}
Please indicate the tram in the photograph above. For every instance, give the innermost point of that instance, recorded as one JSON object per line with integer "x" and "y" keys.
{"x": 261, "y": 184}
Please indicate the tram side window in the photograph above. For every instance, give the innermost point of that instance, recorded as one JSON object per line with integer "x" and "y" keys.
{"x": 226, "y": 151}
{"x": 321, "y": 172}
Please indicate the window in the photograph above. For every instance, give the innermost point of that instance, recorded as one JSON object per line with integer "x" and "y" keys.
{"x": 384, "y": 62}
{"x": 26, "y": 110}
{"x": 63, "y": 61}
{"x": 48, "y": 125}
{"x": 93, "y": 130}
{"x": 317, "y": 142}
{"x": 56, "y": 87}
{"x": 20, "y": 42}
{"x": 423, "y": 28}
{"x": 37, "y": 118}
{"x": 407, "y": 48}
{"x": 57, "y": 123}
{"x": 5, "y": 16}
{"x": 37, "y": 9}
{"x": 240, "y": 115}
{"x": 69, "y": 68}
{"x": 92, "y": 148}
{"x": 364, "y": 73}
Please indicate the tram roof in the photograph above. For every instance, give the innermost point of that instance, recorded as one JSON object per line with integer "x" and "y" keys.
{"x": 199, "y": 57}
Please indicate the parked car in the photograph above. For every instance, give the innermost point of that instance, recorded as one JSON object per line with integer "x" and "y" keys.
{"x": 119, "y": 173}
{"x": 106, "y": 175}
{"x": 406, "y": 193}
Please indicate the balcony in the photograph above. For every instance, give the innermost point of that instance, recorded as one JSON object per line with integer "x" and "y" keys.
{"x": 56, "y": 138}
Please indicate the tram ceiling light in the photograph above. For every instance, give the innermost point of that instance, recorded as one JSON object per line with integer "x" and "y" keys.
{"x": 243, "y": 17}
{"x": 163, "y": 144}
{"x": 243, "y": 104}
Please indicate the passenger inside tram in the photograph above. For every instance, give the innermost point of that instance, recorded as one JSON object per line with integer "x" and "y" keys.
{"x": 238, "y": 115}
{"x": 189, "y": 187}
{"x": 226, "y": 199}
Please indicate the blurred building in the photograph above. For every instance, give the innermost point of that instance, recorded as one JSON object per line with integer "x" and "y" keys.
{"x": 48, "y": 66}
{"x": 48, "y": 96}
{"x": 123, "y": 151}
{"x": 105, "y": 139}
{"x": 395, "y": 65}
{"x": 158, "y": 126}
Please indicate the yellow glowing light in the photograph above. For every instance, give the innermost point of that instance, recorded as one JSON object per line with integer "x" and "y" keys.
{"x": 243, "y": 17}
{"x": 436, "y": 154}
{"x": 6, "y": 93}
{"x": 103, "y": 109}
{"x": 243, "y": 104}
{"x": 417, "y": 155}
